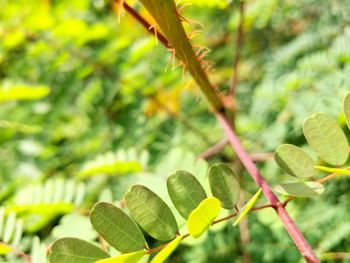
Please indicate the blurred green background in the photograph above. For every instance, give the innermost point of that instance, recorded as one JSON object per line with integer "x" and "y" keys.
{"x": 87, "y": 109}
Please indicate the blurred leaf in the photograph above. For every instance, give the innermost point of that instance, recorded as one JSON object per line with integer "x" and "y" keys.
{"x": 294, "y": 161}
{"x": 4, "y": 249}
{"x": 203, "y": 216}
{"x": 301, "y": 189}
{"x": 133, "y": 257}
{"x": 23, "y": 92}
{"x": 75, "y": 225}
{"x": 117, "y": 228}
{"x": 346, "y": 108}
{"x": 151, "y": 213}
{"x": 165, "y": 252}
{"x": 74, "y": 250}
{"x": 224, "y": 185}
{"x": 243, "y": 212}
{"x": 185, "y": 192}
{"x": 339, "y": 171}
{"x": 327, "y": 139}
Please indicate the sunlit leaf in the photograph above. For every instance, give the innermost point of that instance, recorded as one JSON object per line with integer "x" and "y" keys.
{"x": 5, "y": 249}
{"x": 151, "y": 213}
{"x": 203, "y": 216}
{"x": 224, "y": 185}
{"x": 166, "y": 252}
{"x": 133, "y": 257}
{"x": 294, "y": 161}
{"x": 117, "y": 228}
{"x": 326, "y": 138}
{"x": 23, "y": 92}
{"x": 74, "y": 250}
{"x": 248, "y": 206}
{"x": 185, "y": 192}
{"x": 339, "y": 171}
{"x": 301, "y": 189}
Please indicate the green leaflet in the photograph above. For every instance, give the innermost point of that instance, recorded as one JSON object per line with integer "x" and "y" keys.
{"x": 151, "y": 213}
{"x": 346, "y": 108}
{"x": 166, "y": 252}
{"x": 245, "y": 209}
{"x": 326, "y": 138}
{"x": 203, "y": 216}
{"x": 185, "y": 192}
{"x": 224, "y": 185}
{"x": 301, "y": 189}
{"x": 165, "y": 14}
{"x": 133, "y": 257}
{"x": 117, "y": 228}
{"x": 294, "y": 161}
{"x": 74, "y": 250}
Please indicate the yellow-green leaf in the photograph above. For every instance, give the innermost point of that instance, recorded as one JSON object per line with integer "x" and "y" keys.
{"x": 245, "y": 210}
{"x": 165, "y": 252}
{"x": 23, "y": 92}
{"x": 346, "y": 108}
{"x": 203, "y": 216}
{"x": 326, "y": 138}
{"x": 4, "y": 249}
{"x": 133, "y": 257}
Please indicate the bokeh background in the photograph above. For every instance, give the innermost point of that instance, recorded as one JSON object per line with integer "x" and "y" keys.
{"x": 89, "y": 106}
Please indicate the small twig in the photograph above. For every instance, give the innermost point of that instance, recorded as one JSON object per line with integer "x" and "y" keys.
{"x": 215, "y": 149}
{"x": 261, "y": 157}
{"x": 19, "y": 252}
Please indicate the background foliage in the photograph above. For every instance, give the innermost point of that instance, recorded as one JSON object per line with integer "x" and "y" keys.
{"x": 87, "y": 110}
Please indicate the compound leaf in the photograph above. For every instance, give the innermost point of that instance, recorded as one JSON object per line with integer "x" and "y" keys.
{"x": 301, "y": 189}
{"x": 151, "y": 213}
{"x": 203, "y": 216}
{"x": 326, "y": 138}
{"x": 166, "y": 252}
{"x": 117, "y": 228}
{"x": 74, "y": 250}
{"x": 294, "y": 161}
{"x": 224, "y": 185}
{"x": 185, "y": 192}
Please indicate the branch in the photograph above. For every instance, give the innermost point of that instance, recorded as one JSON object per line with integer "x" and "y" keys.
{"x": 207, "y": 88}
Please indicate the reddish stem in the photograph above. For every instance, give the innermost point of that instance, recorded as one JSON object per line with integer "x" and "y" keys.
{"x": 288, "y": 223}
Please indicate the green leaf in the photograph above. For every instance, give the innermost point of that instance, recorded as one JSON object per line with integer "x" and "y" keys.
{"x": 151, "y": 213}
{"x": 294, "y": 161}
{"x": 166, "y": 252}
{"x": 133, "y": 257}
{"x": 346, "y": 108}
{"x": 224, "y": 185}
{"x": 301, "y": 189}
{"x": 203, "y": 216}
{"x": 185, "y": 192}
{"x": 23, "y": 92}
{"x": 248, "y": 206}
{"x": 74, "y": 250}
{"x": 326, "y": 138}
{"x": 339, "y": 171}
{"x": 117, "y": 228}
